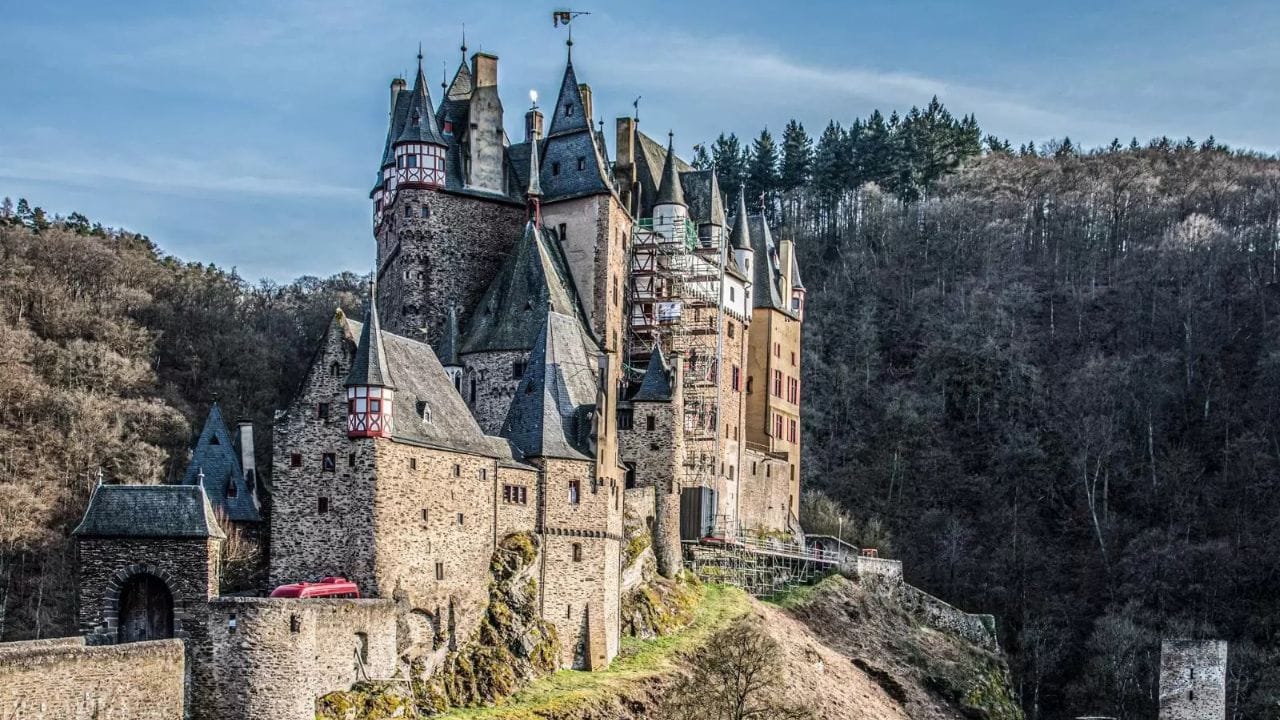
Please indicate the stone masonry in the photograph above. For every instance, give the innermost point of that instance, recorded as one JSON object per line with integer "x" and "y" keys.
{"x": 1193, "y": 680}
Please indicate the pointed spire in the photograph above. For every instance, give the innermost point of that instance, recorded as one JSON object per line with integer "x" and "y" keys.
{"x": 419, "y": 56}
{"x": 533, "y": 193}
{"x": 463, "y": 47}
{"x": 656, "y": 385}
{"x": 669, "y": 191}
{"x": 370, "y": 365}
{"x": 551, "y": 412}
{"x": 740, "y": 236}
{"x": 419, "y": 124}
{"x": 450, "y": 340}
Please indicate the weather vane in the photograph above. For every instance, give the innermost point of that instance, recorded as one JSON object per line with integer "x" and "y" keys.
{"x": 564, "y": 17}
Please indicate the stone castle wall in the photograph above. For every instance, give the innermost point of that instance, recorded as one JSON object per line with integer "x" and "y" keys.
{"x": 1193, "y": 680}
{"x": 512, "y": 515}
{"x": 271, "y": 658}
{"x": 307, "y": 544}
{"x": 63, "y": 679}
{"x": 424, "y": 264}
{"x": 764, "y": 492}
{"x": 977, "y": 629}
{"x": 495, "y": 384}
{"x": 658, "y": 457}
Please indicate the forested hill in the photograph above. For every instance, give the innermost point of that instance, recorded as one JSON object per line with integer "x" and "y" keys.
{"x": 1045, "y": 378}
{"x": 1050, "y": 382}
{"x": 110, "y": 353}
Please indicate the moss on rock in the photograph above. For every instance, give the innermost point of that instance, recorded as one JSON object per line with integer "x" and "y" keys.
{"x": 368, "y": 701}
{"x": 659, "y": 607}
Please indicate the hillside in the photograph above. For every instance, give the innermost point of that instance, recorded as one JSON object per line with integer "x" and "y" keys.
{"x": 843, "y": 652}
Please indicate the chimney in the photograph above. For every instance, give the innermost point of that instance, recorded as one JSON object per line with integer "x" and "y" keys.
{"x": 533, "y": 124}
{"x": 624, "y": 167}
{"x": 397, "y": 85}
{"x": 484, "y": 70}
{"x": 247, "y": 462}
{"x": 585, "y": 89}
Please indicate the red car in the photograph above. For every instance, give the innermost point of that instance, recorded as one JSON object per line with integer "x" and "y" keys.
{"x": 328, "y": 587}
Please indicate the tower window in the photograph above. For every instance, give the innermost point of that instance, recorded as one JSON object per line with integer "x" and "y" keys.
{"x": 295, "y": 460}
{"x": 448, "y": 126}
{"x": 425, "y": 514}
{"x": 328, "y": 463}
{"x": 517, "y": 369}
{"x": 457, "y": 470}
{"x": 460, "y": 518}
{"x": 439, "y": 571}
{"x": 649, "y": 422}
{"x": 408, "y": 210}
{"x": 577, "y": 552}
{"x": 625, "y": 418}
{"x": 322, "y": 410}
{"x": 563, "y": 233}
{"x": 324, "y": 505}
{"x": 568, "y": 109}
{"x": 424, "y": 212}
{"x": 555, "y": 168}
{"x": 413, "y": 463}
{"x": 631, "y": 475}
{"x": 335, "y": 370}
{"x": 351, "y": 460}
{"x": 575, "y": 492}
{"x": 582, "y": 163}
{"x": 214, "y": 440}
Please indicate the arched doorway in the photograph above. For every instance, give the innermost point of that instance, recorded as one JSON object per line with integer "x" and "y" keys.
{"x": 146, "y": 610}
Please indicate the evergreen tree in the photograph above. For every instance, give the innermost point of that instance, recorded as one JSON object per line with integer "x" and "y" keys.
{"x": 23, "y": 214}
{"x": 6, "y": 211}
{"x": 797, "y": 157}
{"x": 701, "y": 159}
{"x": 874, "y": 148}
{"x": 762, "y": 171}
{"x": 729, "y": 159}
{"x": 996, "y": 146}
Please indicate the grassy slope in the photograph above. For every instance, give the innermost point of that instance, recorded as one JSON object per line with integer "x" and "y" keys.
{"x": 639, "y": 662}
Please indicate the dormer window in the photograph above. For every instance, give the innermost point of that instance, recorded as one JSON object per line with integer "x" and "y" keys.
{"x": 568, "y": 109}
{"x": 448, "y": 126}
{"x": 424, "y": 411}
{"x": 582, "y": 163}
{"x": 416, "y": 119}
{"x": 555, "y": 168}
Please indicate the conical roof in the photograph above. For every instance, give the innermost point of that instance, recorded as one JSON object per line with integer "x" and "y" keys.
{"x": 669, "y": 191}
{"x": 370, "y": 364}
{"x": 215, "y": 465}
{"x": 740, "y": 236}
{"x": 551, "y": 414}
{"x": 656, "y": 386}
{"x": 535, "y": 180}
{"x": 572, "y": 163}
{"x": 420, "y": 117}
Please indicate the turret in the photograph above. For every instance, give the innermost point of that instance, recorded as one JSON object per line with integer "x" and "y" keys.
{"x": 370, "y": 394}
{"x": 669, "y": 208}
{"x": 533, "y": 194}
{"x": 415, "y": 149}
{"x": 448, "y": 347}
{"x": 740, "y": 237}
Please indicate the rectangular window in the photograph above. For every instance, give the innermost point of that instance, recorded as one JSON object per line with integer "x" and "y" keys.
{"x": 737, "y": 377}
{"x": 515, "y": 494}
{"x": 439, "y": 571}
{"x": 484, "y": 473}
{"x": 777, "y": 383}
{"x": 777, "y": 349}
{"x": 625, "y": 418}
{"x": 729, "y": 325}
{"x": 793, "y": 359}
{"x": 577, "y": 552}
{"x": 631, "y": 474}
{"x": 351, "y": 460}
{"x": 295, "y": 460}
{"x": 555, "y": 168}
{"x": 322, "y": 411}
{"x": 457, "y": 470}
{"x": 425, "y": 514}
{"x": 413, "y": 463}
{"x": 517, "y": 369}
{"x": 460, "y": 518}
{"x": 791, "y": 431}
{"x": 328, "y": 462}
{"x": 649, "y": 422}
{"x": 324, "y": 505}
{"x": 575, "y": 492}
{"x": 777, "y": 426}
{"x": 582, "y": 163}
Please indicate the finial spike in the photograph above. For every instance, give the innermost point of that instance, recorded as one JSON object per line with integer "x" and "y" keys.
{"x": 419, "y": 55}
{"x": 463, "y": 47}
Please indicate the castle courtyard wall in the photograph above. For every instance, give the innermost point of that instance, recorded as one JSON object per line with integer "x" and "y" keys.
{"x": 63, "y": 679}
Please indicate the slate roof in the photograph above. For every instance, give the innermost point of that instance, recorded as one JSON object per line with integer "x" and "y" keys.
{"x": 369, "y": 367}
{"x": 215, "y": 464}
{"x": 656, "y": 385}
{"x": 533, "y": 281}
{"x": 552, "y": 412}
{"x": 796, "y": 283}
{"x": 703, "y": 197}
{"x": 670, "y": 191}
{"x": 571, "y": 137}
{"x": 650, "y": 159}
{"x": 740, "y": 235}
{"x": 419, "y": 377}
{"x": 462, "y": 85}
{"x": 149, "y": 511}
{"x": 451, "y": 340}
{"x": 518, "y": 153}
{"x": 766, "y": 273}
{"x": 399, "y": 114}
{"x": 420, "y": 119}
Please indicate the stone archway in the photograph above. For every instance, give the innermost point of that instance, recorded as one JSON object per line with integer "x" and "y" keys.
{"x": 141, "y": 602}
{"x": 145, "y": 610}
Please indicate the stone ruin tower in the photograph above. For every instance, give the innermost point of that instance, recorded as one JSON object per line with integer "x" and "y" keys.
{"x": 1193, "y": 680}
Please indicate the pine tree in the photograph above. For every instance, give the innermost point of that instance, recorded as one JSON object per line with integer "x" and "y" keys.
{"x": 701, "y": 159}
{"x": 23, "y": 213}
{"x": 996, "y": 146}
{"x": 797, "y": 157}
{"x": 729, "y": 159}
{"x": 762, "y": 171}
{"x": 875, "y": 150}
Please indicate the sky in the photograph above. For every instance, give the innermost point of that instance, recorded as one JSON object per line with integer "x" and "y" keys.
{"x": 248, "y": 133}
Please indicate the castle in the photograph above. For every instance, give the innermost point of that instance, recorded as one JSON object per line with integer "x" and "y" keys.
{"x": 557, "y": 343}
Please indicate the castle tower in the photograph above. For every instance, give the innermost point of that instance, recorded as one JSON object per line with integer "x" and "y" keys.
{"x": 670, "y": 212}
{"x": 652, "y": 445}
{"x": 370, "y": 395}
{"x": 554, "y": 422}
{"x": 1193, "y": 680}
{"x": 216, "y": 466}
{"x": 446, "y": 207}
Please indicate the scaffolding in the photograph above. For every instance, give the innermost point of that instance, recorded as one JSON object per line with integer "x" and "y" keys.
{"x": 677, "y": 281}
{"x": 760, "y": 568}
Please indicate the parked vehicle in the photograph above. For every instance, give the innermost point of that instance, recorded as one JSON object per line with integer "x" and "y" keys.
{"x": 328, "y": 587}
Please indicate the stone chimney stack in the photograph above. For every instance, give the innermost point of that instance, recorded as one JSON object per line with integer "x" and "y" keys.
{"x": 397, "y": 85}
{"x": 486, "y": 142}
{"x": 248, "y": 462}
{"x": 624, "y": 166}
{"x": 587, "y": 108}
{"x": 484, "y": 70}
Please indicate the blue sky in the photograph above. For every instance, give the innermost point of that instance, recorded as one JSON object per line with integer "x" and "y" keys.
{"x": 248, "y": 133}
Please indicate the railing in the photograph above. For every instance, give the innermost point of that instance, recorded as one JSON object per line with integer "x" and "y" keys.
{"x": 681, "y": 230}
{"x": 751, "y": 543}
